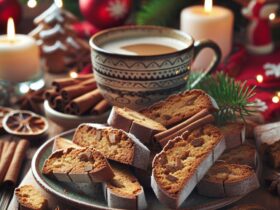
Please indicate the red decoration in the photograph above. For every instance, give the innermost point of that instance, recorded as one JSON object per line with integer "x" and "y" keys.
{"x": 105, "y": 13}
{"x": 84, "y": 29}
{"x": 9, "y": 8}
{"x": 259, "y": 32}
{"x": 268, "y": 68}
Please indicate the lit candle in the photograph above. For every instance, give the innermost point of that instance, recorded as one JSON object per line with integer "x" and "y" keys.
{"x": 208, "y": 22}
{"x": 19, "y": 56}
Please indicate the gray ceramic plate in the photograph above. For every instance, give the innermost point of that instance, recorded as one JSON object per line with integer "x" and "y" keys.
{"x": 90, "y": 196}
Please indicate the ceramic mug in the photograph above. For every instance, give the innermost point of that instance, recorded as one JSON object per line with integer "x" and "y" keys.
{"x": 137, "y": 81}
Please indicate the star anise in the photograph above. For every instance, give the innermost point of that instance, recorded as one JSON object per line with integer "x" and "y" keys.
{"x": 32, "y": 101}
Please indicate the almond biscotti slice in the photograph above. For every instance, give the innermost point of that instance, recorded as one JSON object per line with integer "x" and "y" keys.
{"x": 114, "y": 144}
{"x": 135, "y": 123}
{"x": 63, "y": 143}
{"x": 234, "y": 134}
{"x": 177, "y": 108}
{"x": 30, "y": 198}
{"x": 124, "y": 191}
{"x": 227, "y": 180}
{"x": 245, "y": 154}
{"x": 183, "y": 162}
{"x": 83, "y": 165}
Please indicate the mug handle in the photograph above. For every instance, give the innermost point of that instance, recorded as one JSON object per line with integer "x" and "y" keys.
{"x": 200, "y": 45}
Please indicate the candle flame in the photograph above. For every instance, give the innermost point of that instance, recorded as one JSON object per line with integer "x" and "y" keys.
{"x": 11, "y": 29}
{"x": 208, "y": 5}
{"x": 58, "y": 3}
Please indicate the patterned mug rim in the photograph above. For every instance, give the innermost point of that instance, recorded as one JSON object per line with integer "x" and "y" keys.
{"x": 93, "y": 45}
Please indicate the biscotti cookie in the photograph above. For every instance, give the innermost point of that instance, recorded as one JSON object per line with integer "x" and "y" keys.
{"x": 83, "y": 165}
{"x": 62, "y": 143}
{"x": 234, "y": 134}
{"x": 124, "y": 191}
{"x": 227, "y": 180}
{"x": 243, "y": 155}
{"x": 183, "y": 162}
{"x": 114, "y": 144}
{"x": 177, "y": 108}
{"x": 30, "y": 198}
{"x": 133, "y": 122}
{"x": 268, "y": 143}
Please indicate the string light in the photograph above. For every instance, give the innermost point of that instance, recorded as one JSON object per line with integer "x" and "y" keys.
{"x": 73, "y": 74}
{"x": 275, "y": 99}
{"x": 259, "y": 78}
{"x": 278, "y": 94}
{"x": 272, "y": 16}
{"x": 32, "y": 3}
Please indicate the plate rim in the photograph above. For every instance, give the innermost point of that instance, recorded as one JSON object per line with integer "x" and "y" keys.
{"x": 38, "y": 178}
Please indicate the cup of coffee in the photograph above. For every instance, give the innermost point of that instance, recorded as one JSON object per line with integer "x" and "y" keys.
{"x": 135, "y": 66}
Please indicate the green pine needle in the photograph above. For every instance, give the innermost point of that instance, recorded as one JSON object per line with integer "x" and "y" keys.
{"x": 232, "y": 97}
{"x": 160, "y": 12}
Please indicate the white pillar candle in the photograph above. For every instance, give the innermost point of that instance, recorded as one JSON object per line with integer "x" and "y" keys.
{"x": 19, "y": 57}
{"x": 215, "y": 23}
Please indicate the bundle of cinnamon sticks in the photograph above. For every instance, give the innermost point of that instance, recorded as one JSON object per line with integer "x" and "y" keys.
{"x": 77, "y": 96}
{"x": 12, "y": 154}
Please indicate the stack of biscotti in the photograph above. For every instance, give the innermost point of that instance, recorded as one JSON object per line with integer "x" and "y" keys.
{"x": 114, "y": 144}
{"x": 81, "y": 165}
{"x": 183, "y": 162}
{"x": 227, "y": 180}
{"x": 234, "y": 134}
{"x": 180, "y": 107}
{"x": 30, "y": 198}
{"x": 135, "y": 123}
{"x": 268, "y": 143}
{"x": 123, "y": 190}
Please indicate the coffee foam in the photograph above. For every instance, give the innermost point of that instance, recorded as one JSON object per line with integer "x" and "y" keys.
{"x": 115, "y": 46}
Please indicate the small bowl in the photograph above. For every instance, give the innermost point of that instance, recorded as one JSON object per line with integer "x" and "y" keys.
{"x": 68, "y": 121}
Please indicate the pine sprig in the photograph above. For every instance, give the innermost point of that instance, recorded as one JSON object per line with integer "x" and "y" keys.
{"x": 232, "y": 97}
{"x": 160, "y": 12}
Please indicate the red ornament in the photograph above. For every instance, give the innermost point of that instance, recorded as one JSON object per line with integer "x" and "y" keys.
{"x": 105, "y": 13}
{"x": 9, "y": 8}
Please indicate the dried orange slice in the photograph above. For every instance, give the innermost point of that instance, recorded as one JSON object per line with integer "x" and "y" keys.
{"x": 25, "y": 123}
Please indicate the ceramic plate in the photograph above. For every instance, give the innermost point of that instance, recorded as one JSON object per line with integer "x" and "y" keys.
{"x": 90, "y": 196}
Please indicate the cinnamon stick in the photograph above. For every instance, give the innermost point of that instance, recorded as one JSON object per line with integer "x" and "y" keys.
{"x": 15, "y": 165}
{"x": 204, "y": 120}
{"x": 101, "y": 107}
{"x": 5, "y": 146}
{"x": 190, "y": 120}
{"x": 1, "y": 148}
{"x": 58, "y": 103}
{"x": 64, "y": 82}
{"x": 70, "y": 92}
{"x": 88, "y": 82}
{"x": 6, "y": 160}
{"x": 50, "y": 95}
{"x": 83, "y": 103}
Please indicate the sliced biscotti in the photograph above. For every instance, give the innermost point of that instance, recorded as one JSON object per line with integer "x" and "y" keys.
{"x": 63, "y": 143}
{"x": 234, "y": 134}
{"x": 227, "y": 180}
{"x": 133, "y": 122}
{"x": 245, "y": 154}
{"x": 268, "y": 143}
{"x": 183, "y": 162}
{"x": 177, "y": 108}
{"x": 114, "y": 144}
{"x": 124, "y": 191}
{"x": 30, "y": 198}
{"x": 83, "y": 165}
